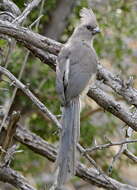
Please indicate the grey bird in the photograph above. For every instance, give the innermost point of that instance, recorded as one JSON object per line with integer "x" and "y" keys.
{"x": 76, "y": 65}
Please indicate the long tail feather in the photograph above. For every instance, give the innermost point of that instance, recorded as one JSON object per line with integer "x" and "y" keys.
{"x": 68, "y": 141}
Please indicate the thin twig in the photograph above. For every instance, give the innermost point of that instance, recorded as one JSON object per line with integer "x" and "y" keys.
{"x": 116, "y": 157}
{"x": 36, "y": 21}
{"x": 103, "y": 146}
{"x": 40, "y": 15}
{"x": 89, "y": 113}
{"x": 27, "y": 11}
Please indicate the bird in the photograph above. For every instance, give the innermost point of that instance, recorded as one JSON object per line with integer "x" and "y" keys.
{"x": 76, "y": 67}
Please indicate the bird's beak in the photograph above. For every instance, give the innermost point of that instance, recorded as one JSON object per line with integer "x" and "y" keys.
{"x": 96, "y": 30}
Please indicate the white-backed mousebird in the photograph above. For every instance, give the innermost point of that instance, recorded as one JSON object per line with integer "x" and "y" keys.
{"x": 76, "y": 66}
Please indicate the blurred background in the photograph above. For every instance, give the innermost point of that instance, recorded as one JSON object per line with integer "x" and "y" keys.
{"x": 116, "y": 47}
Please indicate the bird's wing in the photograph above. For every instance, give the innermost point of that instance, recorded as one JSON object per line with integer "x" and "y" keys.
{"x": 62, "y": 73}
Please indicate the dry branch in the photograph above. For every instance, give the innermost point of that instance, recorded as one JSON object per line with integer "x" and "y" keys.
{"x": 35, "y": 143}
{"x": 25, "y": 35}
{"x": 103, "y": 146}
{"x": 118, "y": 85}
{"x": 34, "y": 99}
{"x": 17, "y": 180}
{"x": 9, "y": 6}
{"x": 112, "y": 106}
{"x": 27, "y": 11}
{"x": 43, "y": 148}
{"x": 130, "y": 155}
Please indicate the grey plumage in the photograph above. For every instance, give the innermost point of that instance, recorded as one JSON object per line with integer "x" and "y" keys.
{"x": 76, "y": 64}
{"x": 69, "y": 137}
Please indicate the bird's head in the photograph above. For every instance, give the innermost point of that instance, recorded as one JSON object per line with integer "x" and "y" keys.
{"x": 88, "y": 22}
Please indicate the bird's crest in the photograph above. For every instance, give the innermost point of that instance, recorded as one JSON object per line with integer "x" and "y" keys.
{"x": 87, "y": 16}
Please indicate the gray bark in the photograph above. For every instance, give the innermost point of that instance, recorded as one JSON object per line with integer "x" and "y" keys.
{"x": 10, "y": 176}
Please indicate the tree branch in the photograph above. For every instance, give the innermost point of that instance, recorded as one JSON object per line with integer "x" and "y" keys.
{"x": 43, "y": 148}
{"x": 130, "y": 155}
{"x": 103, "y": 146}
{"x": 34, "y": 99}
{"x": 45, "y": 57}
{"x": 112, "y": 106}
{"x": 91, "y": 175}
{"x": 27, "y": 36}
{"x": 27, "y": 11}
{"x": 10, "y": 176}
{"x": 118, "y": 85}
{"x": 9, "y": 6}
{"x": 35, "y": 143}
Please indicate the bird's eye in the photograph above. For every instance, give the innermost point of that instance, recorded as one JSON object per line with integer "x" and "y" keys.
{"x": 89, "y": 27}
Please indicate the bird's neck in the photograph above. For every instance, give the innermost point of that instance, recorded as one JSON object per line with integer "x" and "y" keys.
{"x": 79, "y": 36}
